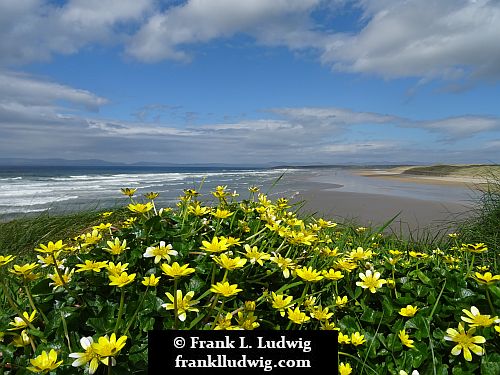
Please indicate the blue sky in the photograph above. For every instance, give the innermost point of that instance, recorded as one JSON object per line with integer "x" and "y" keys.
{"x": 251, "y": 82}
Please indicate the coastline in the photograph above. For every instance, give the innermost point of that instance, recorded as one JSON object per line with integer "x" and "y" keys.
{"x": 397, "y": 174}
{"x": 413, "y": 215}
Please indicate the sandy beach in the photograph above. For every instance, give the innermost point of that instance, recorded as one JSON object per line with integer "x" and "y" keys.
{"x": 415, "y": 215}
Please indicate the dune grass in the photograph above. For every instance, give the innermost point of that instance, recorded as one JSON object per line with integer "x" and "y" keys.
{"x": 20, "y": 236}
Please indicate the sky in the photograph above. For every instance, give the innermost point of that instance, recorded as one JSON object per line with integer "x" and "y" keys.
{"x": 251, "y": 81}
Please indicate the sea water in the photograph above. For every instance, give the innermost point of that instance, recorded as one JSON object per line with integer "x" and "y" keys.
{"x": 25, "y": 190}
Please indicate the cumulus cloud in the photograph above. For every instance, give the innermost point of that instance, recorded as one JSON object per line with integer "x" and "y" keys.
{"x": 432, "y": 39}
{"x": 33, "y": 30}
{"x": 197, "y": 21}
{"x": 443, "y": 39}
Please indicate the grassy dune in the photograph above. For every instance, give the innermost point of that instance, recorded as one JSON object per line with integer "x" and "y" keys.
{"x": 445, "y": 170}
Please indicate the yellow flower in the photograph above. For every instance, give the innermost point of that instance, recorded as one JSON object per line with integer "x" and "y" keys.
{"x": 231, "y": 241}
{"x": 224, "y": 322}
{"x": 408, "y": 311}
{"x": 222, "y": 214}
{"x": 497, "y": 329}
{"x": 25, "y": 271}
{"x": 418, "y": 255}
{"x": 20, "y": 323}
{"x": 45, "y": 362}
{"x": 229, "y": 263}
{"x": 357, "y": 339}
{"x": 250, "y": 305}
{"x": 475, "y": 319}
{"x": 326, "y": 224}
{"x": 301, "y": 238}
{"x": 66, "y": 278}
{"x": 116, "y": 269}
{"x": 281, "y": 302}
{"x": 184, "y": 304}
{"x": 332, "y": 275}
{"x": 48, "y": 260}
{"x": 175, "y": 270}
{"x": 345, "y": 368}
{"x": 344, "y": 339}
{"x": 284, "y": 263}
{"x": 330, "y": 252}
{"x": 23, "y": 339}
{"x": 89, "y": 356}
{"x": 247, "y": 320}
{"x": 197, "y": 210}
{"x": 91, "y": 265}
{"x": 321, "y": 314}
{"x": 297, "y": 316}
{"x": 255, "y": 256}
{"x": 340, "y": 302}
{"x": 108, "y": 347}
{"x": 487, "y": 278}
{"x": 102, "y": 226}
{"x": 215, "y": 246}
{"x": 405, "y": 339}
{"x": 309, "y": 274}
{"x": 128, "y": 191}
{"x": 140, "y": 208}
{"x": 474, "y": 248}
{"x": 51, "y": 247}
{"x": 122, "y": 280}
{"x": 346, "y": 264}
{"x": 116, "y": 247}
{"x": 6, "y": 259}
{"x": 465, "y": 341}
{"x": 225, "y": 289}
{"x": 160, "y": 252}
{"x": 360, "y": 254}
{"x": 152, "y": 280}
{"x": 371, "y": 281}
{"x": 91, "y": 238}
{"x": 151, "y": 195}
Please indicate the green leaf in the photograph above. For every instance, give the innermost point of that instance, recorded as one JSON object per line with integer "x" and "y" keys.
{"x": 422, "y": 277}
{"x": 490, "y": 365}
{"x": 371, "y": 316}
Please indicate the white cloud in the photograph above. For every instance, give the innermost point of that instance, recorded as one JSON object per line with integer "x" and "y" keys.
{"x": 54, "y": 120}
{"x": 275, "y": 22}
{"x": 366, "y": 148}
{"x": 461, "y": 126}
{"x": 433, "y": 39}
{"x": 427, "y": 39}
{"x": 33, "y": 30}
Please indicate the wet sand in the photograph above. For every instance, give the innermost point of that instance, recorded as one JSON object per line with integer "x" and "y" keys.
{"x": 415, "y": 216}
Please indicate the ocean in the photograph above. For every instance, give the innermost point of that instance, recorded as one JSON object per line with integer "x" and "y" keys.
{"x": 31, "y": 190}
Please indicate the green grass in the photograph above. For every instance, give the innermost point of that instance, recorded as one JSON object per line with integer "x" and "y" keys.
{"x": 470, "y": 170}
{"x": 484, "y": 224}
{"x": 20, "y": 236}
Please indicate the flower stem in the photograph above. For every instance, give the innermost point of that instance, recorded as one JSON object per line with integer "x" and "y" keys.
{"x": 176, "y": 313}
{"x": 120, "y": 311}
{"x": 129, "y": 324}
{"x": 14, "y": 306}
{"x": 32, "y": 303}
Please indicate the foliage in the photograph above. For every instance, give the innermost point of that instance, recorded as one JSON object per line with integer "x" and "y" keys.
{"x": 247, "y": 264}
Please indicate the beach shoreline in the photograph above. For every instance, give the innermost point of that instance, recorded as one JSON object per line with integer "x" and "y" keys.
{"x": 410, "y": 215}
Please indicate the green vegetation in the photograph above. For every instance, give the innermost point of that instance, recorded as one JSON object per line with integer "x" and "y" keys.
{"x": 469, "y": 170}
{"x": 84, "y": 299}
{"x": 21, "y": 236}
